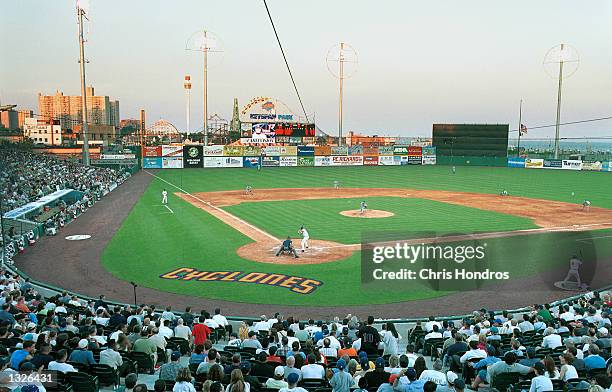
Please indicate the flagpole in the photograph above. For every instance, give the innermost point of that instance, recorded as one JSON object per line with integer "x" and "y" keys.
{"x": 520, "y": 125}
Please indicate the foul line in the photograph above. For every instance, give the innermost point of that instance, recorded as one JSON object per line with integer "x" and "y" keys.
{"x": 216, "y": 208}
{"x": 166, "y": 205}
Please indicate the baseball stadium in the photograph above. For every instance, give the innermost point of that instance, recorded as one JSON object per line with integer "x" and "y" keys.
{"x": 281, "y": 251}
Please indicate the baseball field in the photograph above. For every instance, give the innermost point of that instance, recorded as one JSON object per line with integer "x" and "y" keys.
{"x": 212, "y": 240}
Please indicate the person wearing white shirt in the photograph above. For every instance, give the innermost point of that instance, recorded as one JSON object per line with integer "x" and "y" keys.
{"x": 219, "y": 318}
{"x": 262, "y": 325}
{"x": 167, "y": 314}
{"x": 474, "y": 352}
{"x": 181, "y": 330}
{"x": 328, "y": 351}
{"x": 434, "y": 375}
{"x": 540, "y": 383}
{"x": 429, "y": 325}
{"x": 165, "y": 330}
{"x": 551, "y": 339}
{"x": 60, "y": 364}
{"x": 526, "y": 325}
{"x": 210, "y": 323}
{"x": 313, "y": 369}
{"x": 433, "y": 334}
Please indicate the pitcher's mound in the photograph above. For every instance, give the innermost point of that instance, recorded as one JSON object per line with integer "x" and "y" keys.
{"x": 318, "y": 252}
{"x": 367, "y": 214}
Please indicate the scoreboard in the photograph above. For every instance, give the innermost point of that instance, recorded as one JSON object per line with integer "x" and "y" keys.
{"x": 295, "y": 129}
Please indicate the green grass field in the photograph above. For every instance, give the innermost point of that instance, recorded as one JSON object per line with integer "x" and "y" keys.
{"x": 152, "y": 242}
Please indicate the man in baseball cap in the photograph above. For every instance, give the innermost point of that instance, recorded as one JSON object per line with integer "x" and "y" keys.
{"x": 292, "y": 380}
{"x": 379, "y": 375}
{"x": 277, "y": 382}
{"x": 341, "y": 380}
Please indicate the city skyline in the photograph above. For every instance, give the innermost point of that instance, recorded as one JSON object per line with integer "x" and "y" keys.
{"x": 419, "y": 64}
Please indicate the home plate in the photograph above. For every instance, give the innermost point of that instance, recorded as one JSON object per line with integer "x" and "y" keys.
{"x": 78, "y": 237}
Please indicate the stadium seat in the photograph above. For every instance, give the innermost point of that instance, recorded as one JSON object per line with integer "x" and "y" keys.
{"x": 502, "y": 381}
{"x": 83, "y": 382}
{"x": 106, "y": 375}
{"x": 143, "y": 361}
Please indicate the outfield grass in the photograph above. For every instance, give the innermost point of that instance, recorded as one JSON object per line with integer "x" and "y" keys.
{"x": 152, "y": 242}
{"x": 323, "y": 220}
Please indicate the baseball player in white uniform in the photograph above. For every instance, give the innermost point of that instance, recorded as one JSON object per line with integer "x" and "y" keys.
{"x": 586, "y": 205}
{"x": 336, "y": 184}
{"x": 305, "y": 237}
{"x": 575, "y": 264}
{"x": 164, "y": 197}
{"x": 363, "y": 207}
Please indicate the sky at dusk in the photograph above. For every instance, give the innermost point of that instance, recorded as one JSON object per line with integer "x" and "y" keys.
{"x": 441, "y": 61}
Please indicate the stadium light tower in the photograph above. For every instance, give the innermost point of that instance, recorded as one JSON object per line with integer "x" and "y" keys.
{"x": 206, "y": 42}
{"x": 187, "y": 86}
{"x": 560, "y": 61}
{"x": 82, "y": 10}
{"x": 346, "y": 58}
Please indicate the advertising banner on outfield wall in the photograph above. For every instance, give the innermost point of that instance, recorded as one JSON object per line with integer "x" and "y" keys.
{"x": 339, "y": 150}
{"x": 193, "y": 156}
{"x": 212, "y": 162}
{"x": 267, "y": 161}
{"x": 553, "y": 164}
{"x": 322, "y": 161}
{"x": 232, "y": 151}
{"x": 355, "y": 150}
{"x": 516, "y": 162}
{"x": 172, "y": 151}
{"x": 282, "y": 139}
{"x": 309, "y": 140}
{"x": 592, "y": 165}
{"x": 288, "y": 161}
{"x": 251, "y": 151}
{"x": 295, "y": 139}
{"x": 571, "y": 164}
{"x": 305, "y": 160}
{"x": 323, "y": 150}
{"x": 385, "y": 150}
{"x": 233, "y": 162}
{"x": 251, "y": 161}
{"x": 429, "y": 159}
{"x": 400, "y": 150}
{"x": 403, "y": 159}
{"x": 370, "y": 151}
{"x": 152, "y": 151}
{"x": 415, "y": 151}
{"x": 172, "y": 162}
{"x": 606, "y": 166}
{"x": 305, "y": 151}
{"x": 429, "y": 151}
{"x": 414, "y": 159}
{"x": 352, "y": 160}
{"x": 152, "y": 163}
{"x": 386, "y": 160}
{"x": 370, "y": 160}
{"x": 216, "y": 150}
{"x": 288, "y": 151}
{"x": 271, "y": 151}
{"x": 534, "y": 163}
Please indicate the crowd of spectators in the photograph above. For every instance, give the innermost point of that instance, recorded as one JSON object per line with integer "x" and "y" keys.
{"x": 545, "y": 347}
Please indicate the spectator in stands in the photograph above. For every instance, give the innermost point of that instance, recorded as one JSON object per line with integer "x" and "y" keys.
{"x": 540, "y": 383}
{"x": 82, "y": 354}
{"x": 165, "y": 330}
{"x": 169, "y": 371}
{"x": 183, "y": 381}
{"x": 342, "y": 381}
{"x": 451, "y": 377}
{"x": 211, "y": 359}
{"x": 237, "y": 383}
{"x": 161, "y": 343}
{"x": 435, "y": 375}
{"x": 550, "y": 369}
{"x": 159, "y": 386}
{"x": 200, "y": 331}
{"x": 347, "y": 348}
{"x": 474, "y": 352}
{"x": 145, "y": 345}
{"x": 328, "y": 351}
{"x": 221, "y": 320}
{"x": 567, "y": 370}
{"x": 111, "y": 357}
{"x": 261, "y": 367}
{"x": 182, "y": 331}
{"x": 216, "y": 373}
{"x": 531, "y": 357}
{"x": 245, "y": 368}
{"x": 526, "y": 325}
{"x": 388, "y": 385}
{"x": 313, "y": 370}
{"x": 481, "y": 368}
{"x": 130, "y": 382}
{"x": 594, "y": 360}
{"x": 60, "y": 364}
{"x": 390, "y": 338}
{"x": 235, "y": 364}
{"x": 277, "y": 381}
{"x": 252, "y": 341}
{"x": 197, "y": 356}
{"x": 508, "y": 365}
{"x": 370, "y": 338}
{"x": 42, "y": 358}
{"x": 551, "y": 339}
{"x": 6, "y": 316}
{"x": 379, "y": 375}
{"x": 23, "y": 354}
{"x": 414, "y": 384}
{"x": 291, "y": 369}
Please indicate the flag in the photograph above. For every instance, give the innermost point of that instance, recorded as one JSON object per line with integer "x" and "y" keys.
{"x": 523, "y": 130}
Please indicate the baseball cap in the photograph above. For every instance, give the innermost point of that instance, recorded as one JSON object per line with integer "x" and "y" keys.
{"x": 451, "y": 377}
{"x": 28, "y": 336}
{"x": 341, "y": 364}
{"x": 175, "y": 356}
{"x": 392, "y": 378}
{"x": 494, "y": 330}
{"x": 411, "y": 374}
{"x": 364, "y": 362}
{"x": 83, "y": 343}
{"x": 380, "y": 362}
{"x": 459, "y": 384}
{"x": 31, "y": 326}
{"x": 279, "y": 371}
{"x": 362, "y": 354}
{"x": 293, "y": 378}
{"x": 245, "y": 365}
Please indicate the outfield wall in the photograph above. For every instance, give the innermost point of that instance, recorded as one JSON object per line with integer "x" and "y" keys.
{"x": 559, "y": 164}
{"x": 219, "y": 156}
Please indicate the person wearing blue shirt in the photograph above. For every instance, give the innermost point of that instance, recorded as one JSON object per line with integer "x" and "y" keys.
{"x": 594, "y": 360}
{"x": 5, "y": 315}
{"x": 341, "y": 381}
{"x": 481, "y": 367}
{"x": 287, "y": 246}
{"x": 82, "y": 354}
{"x": 414, "y": 386}
{"x": 22, "y": 354}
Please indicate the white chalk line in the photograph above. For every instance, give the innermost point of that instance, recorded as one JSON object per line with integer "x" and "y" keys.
{"x": 216, "y": 208}
{"x": 593, "y": 238}
{"x": 169, "y": 209}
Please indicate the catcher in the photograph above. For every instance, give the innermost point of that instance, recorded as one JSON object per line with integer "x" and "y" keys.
{"x": 287, "y": 247}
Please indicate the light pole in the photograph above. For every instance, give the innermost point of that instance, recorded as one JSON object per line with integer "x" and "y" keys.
{"x": 565, "y": 59}
{"x": 187, "y": 86}
{"x": 80, "y": 14}
{"x": 206, "y": 42}
{"x": 520, "y": 129}
{"x": 343, "y": 54}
